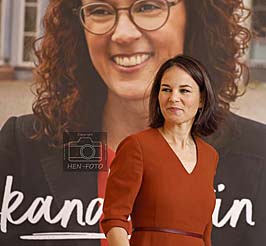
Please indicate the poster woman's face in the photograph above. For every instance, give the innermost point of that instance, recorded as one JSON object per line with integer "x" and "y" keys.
{"x": 116, "y": 53}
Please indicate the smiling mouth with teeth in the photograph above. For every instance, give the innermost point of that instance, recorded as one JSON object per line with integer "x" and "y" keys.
{"x": 130, "y": 61}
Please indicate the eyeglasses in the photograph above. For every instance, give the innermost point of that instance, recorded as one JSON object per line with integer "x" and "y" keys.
{"x": 99, "y": 17}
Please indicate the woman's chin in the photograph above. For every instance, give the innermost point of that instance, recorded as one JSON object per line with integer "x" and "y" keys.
{"x": 129, "y": 90}
{"x": 130, "y": 95}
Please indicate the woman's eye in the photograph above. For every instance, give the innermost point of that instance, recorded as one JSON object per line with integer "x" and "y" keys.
{"x": 147, "y": 8}
{"x": 99, "y": 11}
{"x": 166, "y": 89}
{"x": 185, "y": 91}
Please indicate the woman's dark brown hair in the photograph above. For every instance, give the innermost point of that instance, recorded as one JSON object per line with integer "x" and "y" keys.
{"x": 68, "y": 88}
{"x": 208, "y": 116}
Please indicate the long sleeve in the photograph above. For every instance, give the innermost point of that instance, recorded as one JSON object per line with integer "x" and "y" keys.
{"x": 123, "y": 184}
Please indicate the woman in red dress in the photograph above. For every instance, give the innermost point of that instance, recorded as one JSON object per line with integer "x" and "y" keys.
{"x": 163, "y": 177}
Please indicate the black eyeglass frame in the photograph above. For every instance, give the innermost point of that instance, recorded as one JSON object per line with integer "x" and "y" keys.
{"x": 78, "y": 12}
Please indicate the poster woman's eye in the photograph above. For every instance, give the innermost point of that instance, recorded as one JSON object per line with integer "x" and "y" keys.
{"x": 149, "y": 8}
{"x": 99, "y": 11}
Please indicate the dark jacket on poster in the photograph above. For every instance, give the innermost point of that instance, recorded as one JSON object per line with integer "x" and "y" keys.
{"x": 37, "y": 171}
{"x": 240, "y": 183}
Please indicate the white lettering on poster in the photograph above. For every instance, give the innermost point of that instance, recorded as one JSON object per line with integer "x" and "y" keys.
{"x": 233, "y": 213}
{"x": 40, "y": 208}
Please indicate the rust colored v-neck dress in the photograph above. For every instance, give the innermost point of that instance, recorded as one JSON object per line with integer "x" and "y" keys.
{"x": 148, "y": 182}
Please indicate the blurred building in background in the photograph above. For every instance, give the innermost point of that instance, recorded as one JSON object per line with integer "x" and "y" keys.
{"x": 257, "y": 53}
{"x": 20, "y": 24}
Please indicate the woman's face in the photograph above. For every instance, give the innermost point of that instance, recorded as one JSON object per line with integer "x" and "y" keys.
{"x": 179, "y": 96}
{"x": 110, "y": 52}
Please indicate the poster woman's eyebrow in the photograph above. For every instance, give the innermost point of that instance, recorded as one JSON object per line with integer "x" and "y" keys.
{"x": 112, "y": 2}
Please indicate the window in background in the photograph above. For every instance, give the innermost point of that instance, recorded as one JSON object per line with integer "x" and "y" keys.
{"x": 1, "y": 52}
{"x": 30, "y": 29}
{"x": 258, "y": 46}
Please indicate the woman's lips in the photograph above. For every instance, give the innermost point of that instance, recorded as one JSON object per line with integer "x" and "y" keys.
{"x": 129, "y": 63}
{"x": 174, "y": 109}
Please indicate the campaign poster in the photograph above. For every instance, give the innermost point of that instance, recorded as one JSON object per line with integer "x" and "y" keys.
{"x": 52, "y": 194}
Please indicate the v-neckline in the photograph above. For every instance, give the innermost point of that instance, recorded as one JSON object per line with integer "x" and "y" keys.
{"x": 176, "y": 156}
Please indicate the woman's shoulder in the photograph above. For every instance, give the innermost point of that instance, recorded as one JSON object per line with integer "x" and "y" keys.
{"x": 15, "y": 140}
{"x": 24, "y": 124}
{"x": 208, "y": 154}
{"x": 147, "y": 133}
{"x": 206, "y": 147}
{"x": 19, "y": 131}
{"x": 144, "y": 136}
{"x": 139, "y": 139}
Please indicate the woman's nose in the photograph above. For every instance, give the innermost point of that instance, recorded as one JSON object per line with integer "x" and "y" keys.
{"x": 125, "y": 30}
{"x": 174, "y": 97}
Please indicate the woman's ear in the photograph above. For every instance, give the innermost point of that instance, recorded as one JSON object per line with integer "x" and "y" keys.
{"x": 201, "y": 102}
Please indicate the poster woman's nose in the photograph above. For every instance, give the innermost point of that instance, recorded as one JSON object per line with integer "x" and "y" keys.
{"x": 125, "y": 30}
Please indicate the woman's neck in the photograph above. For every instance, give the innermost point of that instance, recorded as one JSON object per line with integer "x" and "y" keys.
{"x": 123, "y": 117}
{"x": 179, "y": 135}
